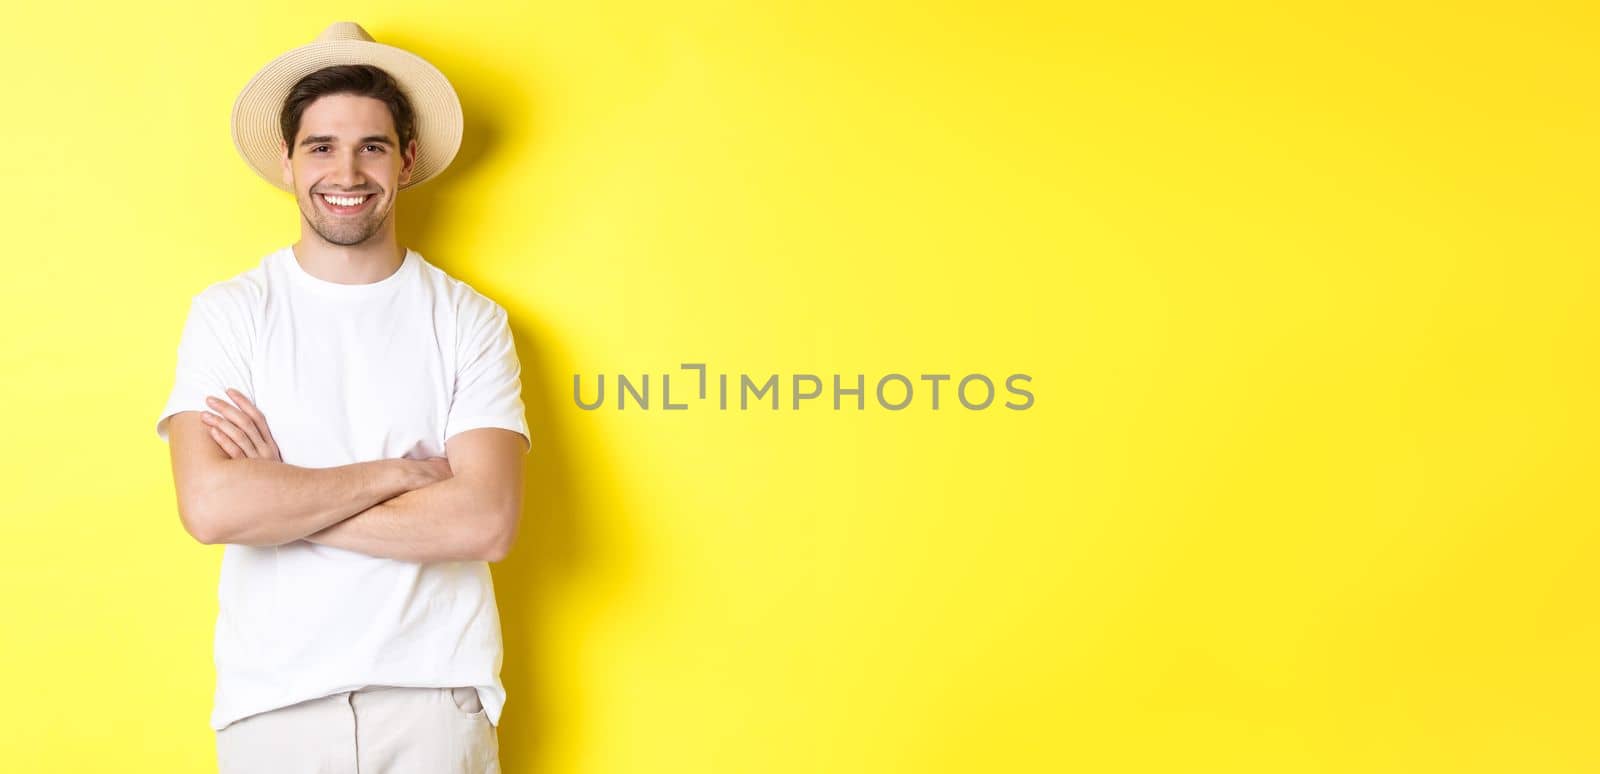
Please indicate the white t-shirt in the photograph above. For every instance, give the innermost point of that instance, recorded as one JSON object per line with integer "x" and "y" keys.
{"x": 344, "y": 374}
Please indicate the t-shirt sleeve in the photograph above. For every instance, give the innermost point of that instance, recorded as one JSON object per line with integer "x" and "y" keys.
{"x": 213, "y": 355}
{"x": 488, "y": 386}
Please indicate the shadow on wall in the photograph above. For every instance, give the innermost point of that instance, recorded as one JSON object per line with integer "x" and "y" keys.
{"x": 550, "y": 547}
{"x": 484, "y": 100}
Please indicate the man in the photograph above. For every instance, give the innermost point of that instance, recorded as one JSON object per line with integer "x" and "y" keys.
{"x": 347, "y": 418}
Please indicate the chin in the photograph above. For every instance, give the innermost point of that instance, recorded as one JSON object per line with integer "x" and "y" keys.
{"x": 356, "y": 240}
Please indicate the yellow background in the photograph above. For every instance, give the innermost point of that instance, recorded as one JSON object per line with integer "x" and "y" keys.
{"x": 1307, "y": 295}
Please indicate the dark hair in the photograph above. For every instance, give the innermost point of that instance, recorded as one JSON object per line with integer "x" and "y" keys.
{"x": 360, "y": 80}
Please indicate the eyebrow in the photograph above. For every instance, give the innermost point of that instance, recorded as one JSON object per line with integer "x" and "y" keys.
{"x": 319, "y": 139}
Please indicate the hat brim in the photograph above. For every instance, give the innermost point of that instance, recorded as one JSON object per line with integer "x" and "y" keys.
{"x": 257, "y": 132}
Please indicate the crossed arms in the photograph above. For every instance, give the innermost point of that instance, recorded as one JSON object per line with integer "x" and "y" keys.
{"x": 233, "y": 488}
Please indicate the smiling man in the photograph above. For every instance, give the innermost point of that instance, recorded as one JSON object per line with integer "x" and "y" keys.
{"x": 347, "y": 420}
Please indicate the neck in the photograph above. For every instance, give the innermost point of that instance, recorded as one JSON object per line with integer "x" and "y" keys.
{"x": 359, "y": 264}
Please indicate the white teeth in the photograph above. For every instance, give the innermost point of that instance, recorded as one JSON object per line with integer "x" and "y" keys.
{"x": 344, "y": 201}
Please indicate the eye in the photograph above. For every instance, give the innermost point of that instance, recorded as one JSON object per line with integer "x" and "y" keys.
{"x": 379, "y": 147}
{"x": 318, "y": 148}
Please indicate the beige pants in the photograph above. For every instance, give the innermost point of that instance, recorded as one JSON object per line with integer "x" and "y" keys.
{"x": 376, "y": 730}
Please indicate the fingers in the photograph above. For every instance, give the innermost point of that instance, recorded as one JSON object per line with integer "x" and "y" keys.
{"x": 255, "y": 414}
{"x": 252, "y": 441}
{"x": 226, "y": 443}
{"x": 229, "y": 435}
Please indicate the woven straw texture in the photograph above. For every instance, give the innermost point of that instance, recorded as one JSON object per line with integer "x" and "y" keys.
{"x": 256, "y": 131}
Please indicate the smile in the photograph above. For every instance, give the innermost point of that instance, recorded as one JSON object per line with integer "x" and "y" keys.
{"x": 345, "y": 205}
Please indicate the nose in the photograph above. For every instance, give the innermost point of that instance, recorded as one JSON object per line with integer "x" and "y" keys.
{"x": 345, "y": 172}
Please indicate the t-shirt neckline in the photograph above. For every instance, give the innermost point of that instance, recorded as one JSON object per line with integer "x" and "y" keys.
{"x": 347, "y": 290}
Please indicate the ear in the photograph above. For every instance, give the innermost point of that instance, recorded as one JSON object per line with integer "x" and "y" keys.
{"x": 287, "y": 173}
{"x": 410, "y": 157}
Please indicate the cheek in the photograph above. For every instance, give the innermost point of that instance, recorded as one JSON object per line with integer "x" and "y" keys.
{"x": 302, "y": 176}
{"x": 384, "y": 169}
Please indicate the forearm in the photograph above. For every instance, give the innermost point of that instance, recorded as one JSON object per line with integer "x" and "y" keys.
{"x": 260, "y": 502}
{"x": 443, "y": 521}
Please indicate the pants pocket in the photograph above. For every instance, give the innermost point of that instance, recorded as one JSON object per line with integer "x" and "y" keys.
{"x": 466, "y": 701}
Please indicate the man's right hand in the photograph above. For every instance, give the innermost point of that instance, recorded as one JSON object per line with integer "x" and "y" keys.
{"x": 430, "y": 471}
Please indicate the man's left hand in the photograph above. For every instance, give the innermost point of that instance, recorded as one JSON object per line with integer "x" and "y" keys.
{"x": 240, "y": 430}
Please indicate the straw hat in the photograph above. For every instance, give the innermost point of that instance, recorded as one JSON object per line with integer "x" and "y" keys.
{"x": 256, "y": 127}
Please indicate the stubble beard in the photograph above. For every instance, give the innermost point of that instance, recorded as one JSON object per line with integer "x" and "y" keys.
{"x": 343, "y": 231}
